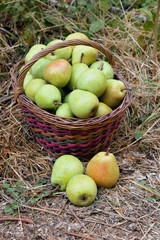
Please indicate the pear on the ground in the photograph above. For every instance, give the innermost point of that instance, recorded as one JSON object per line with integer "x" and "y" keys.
{"x": 32, "y": 87}
{"x": 58, "y": 72}
{"x": 114, "y": 93}
{"x": 81, "y": 190}
{"x": 48, "y": 97}
{"x": 84, "y": 54}
{"x": 61, "y": 53}
{"x": 102, "y": 109}
{"x": 77, "y": 70}
{"x": 103, "y": 169}
{"x": 64, "y": 168}
{"x": 64, "y": 111}
{"x": 105, "y": 67}
{"x": 92, "y": 80}
{"x": 83, "y": 104}
{"x": 27, "y": 79}
{"x": 38, "y": 67}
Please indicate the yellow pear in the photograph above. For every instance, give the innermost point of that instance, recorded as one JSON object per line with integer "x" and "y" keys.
{"x": 103, "y": 169}
{"x": 102, "y": 109}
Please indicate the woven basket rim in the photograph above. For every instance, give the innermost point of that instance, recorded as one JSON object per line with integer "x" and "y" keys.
{"x": 68, "y": 123}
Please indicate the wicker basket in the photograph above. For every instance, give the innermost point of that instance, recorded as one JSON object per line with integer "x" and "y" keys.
{"x": 80, "y": 137}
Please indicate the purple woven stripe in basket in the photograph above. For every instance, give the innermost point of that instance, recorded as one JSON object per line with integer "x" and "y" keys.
{"x": 61, "y": 132}
{"x": 74, "y": 150}
{"x": 83, "y": 146}
{"x": 48, "y": 128}
{"x": 99, "y": 142}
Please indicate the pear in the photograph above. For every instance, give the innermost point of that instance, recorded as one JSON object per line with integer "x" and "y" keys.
{"x": 84, "y": 54}
{"x": 38, "y": 47}
{"x": 64, "y": 111}
{"x": 32, "y": 87}
{"x": 92, "y": 80}
{"x": 30, "y": 54}
{"x": 38, "y": 67}
{"x": 34, "y": 50}
{"x": 102, "y": 109}
{"x": 58, "y": 72}
{"x": 27, "y": 79}
{"x": 114, "y": 93}
{"x": 77, "y": 70}
{"x": 83, "y": 104}
{"x": 81, "y": 190}
{"x": 76, "y": 35}
{"x": 66, "y": 98}
{"x": 105, "y": 67}
{"x": 61, "y": 53}
{"x": 48, "y": 97}
{"x": 64, "y": 168}
{"x": 103, "y": 169}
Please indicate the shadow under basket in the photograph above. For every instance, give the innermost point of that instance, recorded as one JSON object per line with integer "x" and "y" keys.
{"x": 80, "y": 137}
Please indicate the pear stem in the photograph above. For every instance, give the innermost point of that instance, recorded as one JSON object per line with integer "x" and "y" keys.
{"x": 101, "y": 66}
{"x": 81, "y": 57}
{"x": 57, "y": 103}
{"x": 107, "y": 152}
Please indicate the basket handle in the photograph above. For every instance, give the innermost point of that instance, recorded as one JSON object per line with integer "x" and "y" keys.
{"x": 19, "y": 87}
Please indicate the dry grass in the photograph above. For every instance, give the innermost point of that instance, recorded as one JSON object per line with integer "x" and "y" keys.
{"x": 128, "y": 211}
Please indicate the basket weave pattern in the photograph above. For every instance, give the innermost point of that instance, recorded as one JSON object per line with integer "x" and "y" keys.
{"x": 80, "y": 137}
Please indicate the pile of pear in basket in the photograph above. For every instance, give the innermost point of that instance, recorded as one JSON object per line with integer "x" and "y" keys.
{"x": 72, "y": 95}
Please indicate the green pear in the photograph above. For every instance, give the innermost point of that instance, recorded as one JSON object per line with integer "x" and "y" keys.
{"x": 48, "y": 97}
{"x": 32, "y": 87}
{"x": 27, "y": 79}
{"x": 76, "y": 35}
{"x": 114, "y": 93}
{"x": 38, "y": 67}
{"x": 30, "y": 54}
{"x": 58, "y": 72}
{"x": 81, "y": 190}
{"x": 92, "y": 80}
{"x": 37, "y": 46}
{"x": 103, "y": 169}
{"x": 66, "y": 98}
{"x": 105, "y": 67}
{"x": 33, "y": 51}
{"x": 64, "y": 111}
{"x": 64, "y": 168}
{"x": 83, "y": 104}
{"x": 77, "y": 70}
{"x": 61, "y": 53}
{"x": 102, "y": 109}
{"x": 84, "y": 54}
